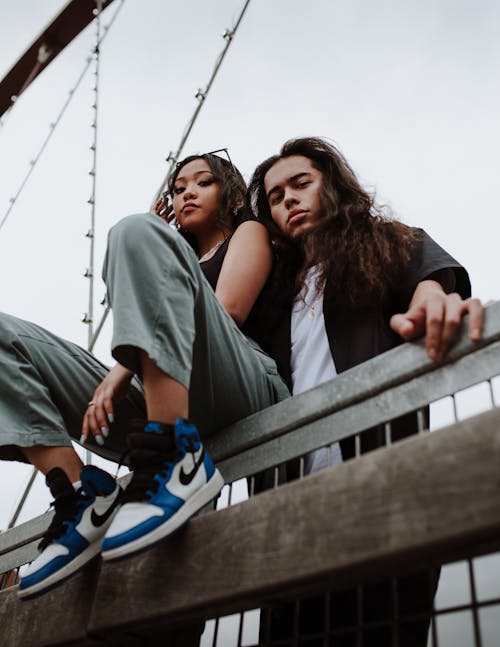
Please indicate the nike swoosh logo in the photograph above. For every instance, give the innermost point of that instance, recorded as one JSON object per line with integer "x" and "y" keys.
{"x": 186, "y": 478}
{"x": 99, "y": 519}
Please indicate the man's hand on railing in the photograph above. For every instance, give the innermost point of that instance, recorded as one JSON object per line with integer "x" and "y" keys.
{"x": 438, "y": 315}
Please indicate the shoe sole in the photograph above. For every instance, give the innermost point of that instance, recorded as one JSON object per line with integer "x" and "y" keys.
{"x": 203, "y": 496}
{"x": 62, "y": 574}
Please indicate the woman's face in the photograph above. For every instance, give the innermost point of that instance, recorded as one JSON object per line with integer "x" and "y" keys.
{"x": 196, "y": 197}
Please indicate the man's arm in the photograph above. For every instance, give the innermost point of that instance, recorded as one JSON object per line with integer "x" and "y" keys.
{"x": 438, "y": 315}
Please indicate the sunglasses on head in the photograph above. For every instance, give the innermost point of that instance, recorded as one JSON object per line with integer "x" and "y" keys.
{"x": 165, "y": 195}
{"x": 222, "y": 150}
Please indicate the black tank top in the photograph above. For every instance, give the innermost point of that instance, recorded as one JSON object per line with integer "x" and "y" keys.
{"x": 211, "y": 269}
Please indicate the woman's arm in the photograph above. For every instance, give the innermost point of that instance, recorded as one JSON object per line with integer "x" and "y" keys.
{"x": 245, "y": 270}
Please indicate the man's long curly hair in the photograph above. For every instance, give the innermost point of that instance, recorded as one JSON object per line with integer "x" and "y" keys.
{"x": 361, "y": 250}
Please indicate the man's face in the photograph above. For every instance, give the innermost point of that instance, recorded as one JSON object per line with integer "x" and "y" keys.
{"x": 293, "y": 190}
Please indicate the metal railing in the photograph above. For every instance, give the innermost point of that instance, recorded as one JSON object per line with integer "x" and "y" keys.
{"x": 303, "y": 562}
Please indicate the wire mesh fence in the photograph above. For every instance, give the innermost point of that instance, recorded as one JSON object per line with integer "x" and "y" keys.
{"x": 455, "y": 603}
{"x": 465, "y": 612}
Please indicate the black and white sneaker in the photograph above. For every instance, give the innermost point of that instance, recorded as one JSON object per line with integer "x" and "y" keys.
{"x": 74, "y": 537}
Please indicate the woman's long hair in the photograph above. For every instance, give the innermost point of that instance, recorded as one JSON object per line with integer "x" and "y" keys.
{"x": 359, "y": 249}
{"x": 233, "y": 203}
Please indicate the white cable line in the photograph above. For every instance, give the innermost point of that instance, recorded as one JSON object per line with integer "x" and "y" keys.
{"x": 201, "y": 95}
{"x": 89, "y": 272}
{"x": 22, "y": 498}
{"x": 99, "y": 40}
{"x": 53, "y": 125}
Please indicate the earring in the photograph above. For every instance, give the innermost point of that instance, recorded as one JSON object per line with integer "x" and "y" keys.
{"x": 235, "y": 211}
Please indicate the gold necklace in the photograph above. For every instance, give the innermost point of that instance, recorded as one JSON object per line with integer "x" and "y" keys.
{"x": 212, "y": 250}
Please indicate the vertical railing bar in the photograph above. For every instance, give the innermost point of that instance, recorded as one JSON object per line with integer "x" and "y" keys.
{"x": 216, "y": 632}
{"x": 435, "y": 642}
{"x": 395, "y": 612}
{"x": 267, "y": 625}
{"x": 327, "y": 626}
{"x": 240, "y": 629}
{"x": 492, "y": 394}
{"x": 276, "y": 476}
{"x": 475, "y": 615}
{"x": 357, "y": 445}
{"x": 296, "y": 620}
{"x": 420, "y": 421}
{"x": 455, "y": 410}
{"x": 251, "y": 489}
{"x": 301, "y": 467}
{"x": 359, "y": 613}
{"x": 230, "y": 495}
{"x": 388, "y": 433}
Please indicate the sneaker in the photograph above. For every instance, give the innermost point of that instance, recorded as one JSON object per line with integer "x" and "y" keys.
{"x": 74, "y": 537}
{"x": 173, "y": 478}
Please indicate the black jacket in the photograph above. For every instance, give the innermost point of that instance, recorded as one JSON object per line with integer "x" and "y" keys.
{"x": 361, "y": 334}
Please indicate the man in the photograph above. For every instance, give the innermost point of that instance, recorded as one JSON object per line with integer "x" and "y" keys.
{"x": 350, "y": 283}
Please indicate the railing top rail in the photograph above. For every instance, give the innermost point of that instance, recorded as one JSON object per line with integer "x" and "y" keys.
{"x": 357, "y": 388}
{"x": 366, "y": 380}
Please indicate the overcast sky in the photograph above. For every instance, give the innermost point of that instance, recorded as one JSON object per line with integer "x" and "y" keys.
{"x": 408, "y": 90}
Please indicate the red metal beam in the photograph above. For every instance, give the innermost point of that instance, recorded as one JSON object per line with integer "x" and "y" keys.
{"x": 75, "y": 16}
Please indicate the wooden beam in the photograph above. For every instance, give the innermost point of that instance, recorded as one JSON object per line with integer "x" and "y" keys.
{"x": 425, "y": 500}
{"x": 428, "y": 499}
{"x": 56, "y": 618}
{"x": 72, "y": 19}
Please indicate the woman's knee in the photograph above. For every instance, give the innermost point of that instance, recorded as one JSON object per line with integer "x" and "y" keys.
{"x": 10, "y": 326}
{"x": 132, "y": 231}
{"x": 142, "y": 241}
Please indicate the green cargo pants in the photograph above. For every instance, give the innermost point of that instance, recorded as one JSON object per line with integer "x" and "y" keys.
{"x": 162, "y": 304}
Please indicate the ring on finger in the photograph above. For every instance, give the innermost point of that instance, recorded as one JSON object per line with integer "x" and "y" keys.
{"x": 91, "y": 403}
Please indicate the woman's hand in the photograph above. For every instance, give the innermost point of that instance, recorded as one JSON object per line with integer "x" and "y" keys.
{"x": 438, "y": 315}
{"x": 100, "y": 411}
{"x": 164, "y": 209}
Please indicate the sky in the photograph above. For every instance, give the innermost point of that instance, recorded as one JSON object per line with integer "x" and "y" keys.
{"x": 408, "y": 91}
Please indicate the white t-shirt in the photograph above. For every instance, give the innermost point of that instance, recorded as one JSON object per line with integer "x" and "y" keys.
{"x": 311, "y": 361}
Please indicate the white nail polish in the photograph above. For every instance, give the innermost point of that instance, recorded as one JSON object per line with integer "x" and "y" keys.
{"x": 82, "y": 439}
{"x": 111, "y": 418}
{"x": 99, "y": 440}
{"x": 105, "y": 432}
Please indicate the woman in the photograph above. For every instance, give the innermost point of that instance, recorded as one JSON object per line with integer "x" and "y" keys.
{"x": 169, "y": 328}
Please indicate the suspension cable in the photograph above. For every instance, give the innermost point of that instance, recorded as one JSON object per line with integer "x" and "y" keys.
{"x": 53, "y": 125}
{"x": 22, "y": 500}
{"x": 201, "y": 95}
{"x": 89, "y": 272}
{"x": 90, "y": 234}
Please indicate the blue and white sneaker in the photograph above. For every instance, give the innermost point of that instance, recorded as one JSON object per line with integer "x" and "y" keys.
{"x": 74, "y": 537}
{"x": 173, "y": 478}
